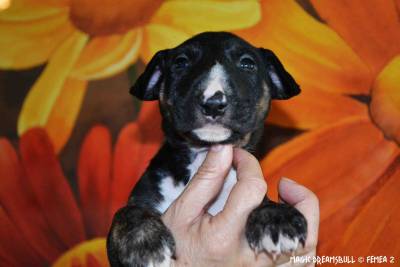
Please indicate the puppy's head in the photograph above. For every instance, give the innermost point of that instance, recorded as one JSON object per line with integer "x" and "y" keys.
{"x": 214, "y": 88}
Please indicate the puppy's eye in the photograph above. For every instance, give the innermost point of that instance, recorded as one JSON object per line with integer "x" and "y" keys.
{"x": 247, "y": 63}
{"x": 181, "y": 62}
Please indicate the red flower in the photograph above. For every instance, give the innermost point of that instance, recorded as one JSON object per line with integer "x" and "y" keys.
{"x": 40, "y": 216}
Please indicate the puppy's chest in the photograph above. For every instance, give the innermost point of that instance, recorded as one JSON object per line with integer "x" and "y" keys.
{"x": 170, "y": 190}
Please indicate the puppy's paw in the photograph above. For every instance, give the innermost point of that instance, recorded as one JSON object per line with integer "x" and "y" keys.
{"x": 139, "y": 238}
{"x": 276, "y": 229}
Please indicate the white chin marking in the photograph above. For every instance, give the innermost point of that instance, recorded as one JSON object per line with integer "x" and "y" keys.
{"x": 212, "y": 133}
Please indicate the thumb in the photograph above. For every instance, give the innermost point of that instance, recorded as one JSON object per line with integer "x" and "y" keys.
{"x": 246, "y": 195}
{"x": 206, "y": 183}
{"x": 306, "y": 202}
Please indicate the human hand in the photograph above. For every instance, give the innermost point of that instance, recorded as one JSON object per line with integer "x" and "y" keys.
{"x": 205, "y": 240}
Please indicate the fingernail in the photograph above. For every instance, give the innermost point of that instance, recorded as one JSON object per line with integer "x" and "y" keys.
{"x": 217, "y": 148}
{"x": 288, "y": 180}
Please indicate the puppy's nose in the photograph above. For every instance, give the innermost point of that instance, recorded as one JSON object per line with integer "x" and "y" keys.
{"x": 215, "y": 105}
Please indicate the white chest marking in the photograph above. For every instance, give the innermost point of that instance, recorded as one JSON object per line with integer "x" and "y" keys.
{"x": 219, "y": 203}
{"x": 170, "y": 191}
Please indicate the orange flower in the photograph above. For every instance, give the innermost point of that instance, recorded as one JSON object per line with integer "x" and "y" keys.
{"x": 83, "y": 40}
{"x": 351, "y": 158}
{"x": 39, "y": 211}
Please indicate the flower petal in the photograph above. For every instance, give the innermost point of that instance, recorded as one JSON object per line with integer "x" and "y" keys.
{"x": 341, "y": 163}
{"x": 84, "y": 253}
{"x": 50, "y": 187}
{"x": 92, "y": 261}
{"x": 385, "y": 104}
{"x": 106, "y": 56}
{"x": 373, "y": 230}
{"x": 15, "y": 250}
{"x": 42, "y": 97}
{"x": 177, "y": 21}
{"x": 61, "y": 120}
{"x": 18, "y": 202}
{"x": 337, "y": 162}
{"x": 189, "y": 16}
{"x": 126, "y": 167}
{"x": 25, "y": 10}
{"x": 149, "y": 120}
{"x": 25, "y": 44}
{"x": 158, "y": 37}
{"x": 314, "y": 108}
{"x": 371, "y": 28}
{"x": 94, "y": 172}
{"x": 339, "y": 221}
{"x": 133, "y": 152}
{"x": 136, "y": 145}
{"x": 309, "y": 49}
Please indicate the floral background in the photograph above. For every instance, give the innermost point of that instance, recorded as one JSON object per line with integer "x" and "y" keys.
{"x": 74, "y": 142}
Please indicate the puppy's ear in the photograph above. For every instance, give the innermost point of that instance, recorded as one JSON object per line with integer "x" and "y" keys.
{"x": 147, "y": 85}
{"x": 282, "y": 84}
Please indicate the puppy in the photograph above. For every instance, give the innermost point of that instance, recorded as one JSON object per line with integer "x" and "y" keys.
{"x": 215, "y": 88}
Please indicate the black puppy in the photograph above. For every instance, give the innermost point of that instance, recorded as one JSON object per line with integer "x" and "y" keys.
{"x": 215, "y": 88}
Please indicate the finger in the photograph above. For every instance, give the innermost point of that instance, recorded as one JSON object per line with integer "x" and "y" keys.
{"x": 246, "y": 195}
{"x": 206, "y": 183}
{"x": 306, "y": 202}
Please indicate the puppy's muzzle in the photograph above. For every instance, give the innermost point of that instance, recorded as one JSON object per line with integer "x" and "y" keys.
{"x": 215, "y": 106}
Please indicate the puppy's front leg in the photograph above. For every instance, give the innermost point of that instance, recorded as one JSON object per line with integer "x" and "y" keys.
{"x": 276, "y": 228}
{"x": 138, "y": 238}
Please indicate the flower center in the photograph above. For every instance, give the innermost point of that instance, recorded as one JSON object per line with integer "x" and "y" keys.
{"x": 104, "y": 17}
{"x": 88, "y": 253}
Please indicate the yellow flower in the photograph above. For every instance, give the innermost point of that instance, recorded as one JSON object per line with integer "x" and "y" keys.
{"x": 83, "y": 40}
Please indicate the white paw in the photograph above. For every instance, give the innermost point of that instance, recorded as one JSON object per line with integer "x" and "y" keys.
{"x": 284, "y": 245}
{"x": 166, "y": 261}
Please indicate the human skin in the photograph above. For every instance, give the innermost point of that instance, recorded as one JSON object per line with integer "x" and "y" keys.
{"x": 206, "y": 240}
